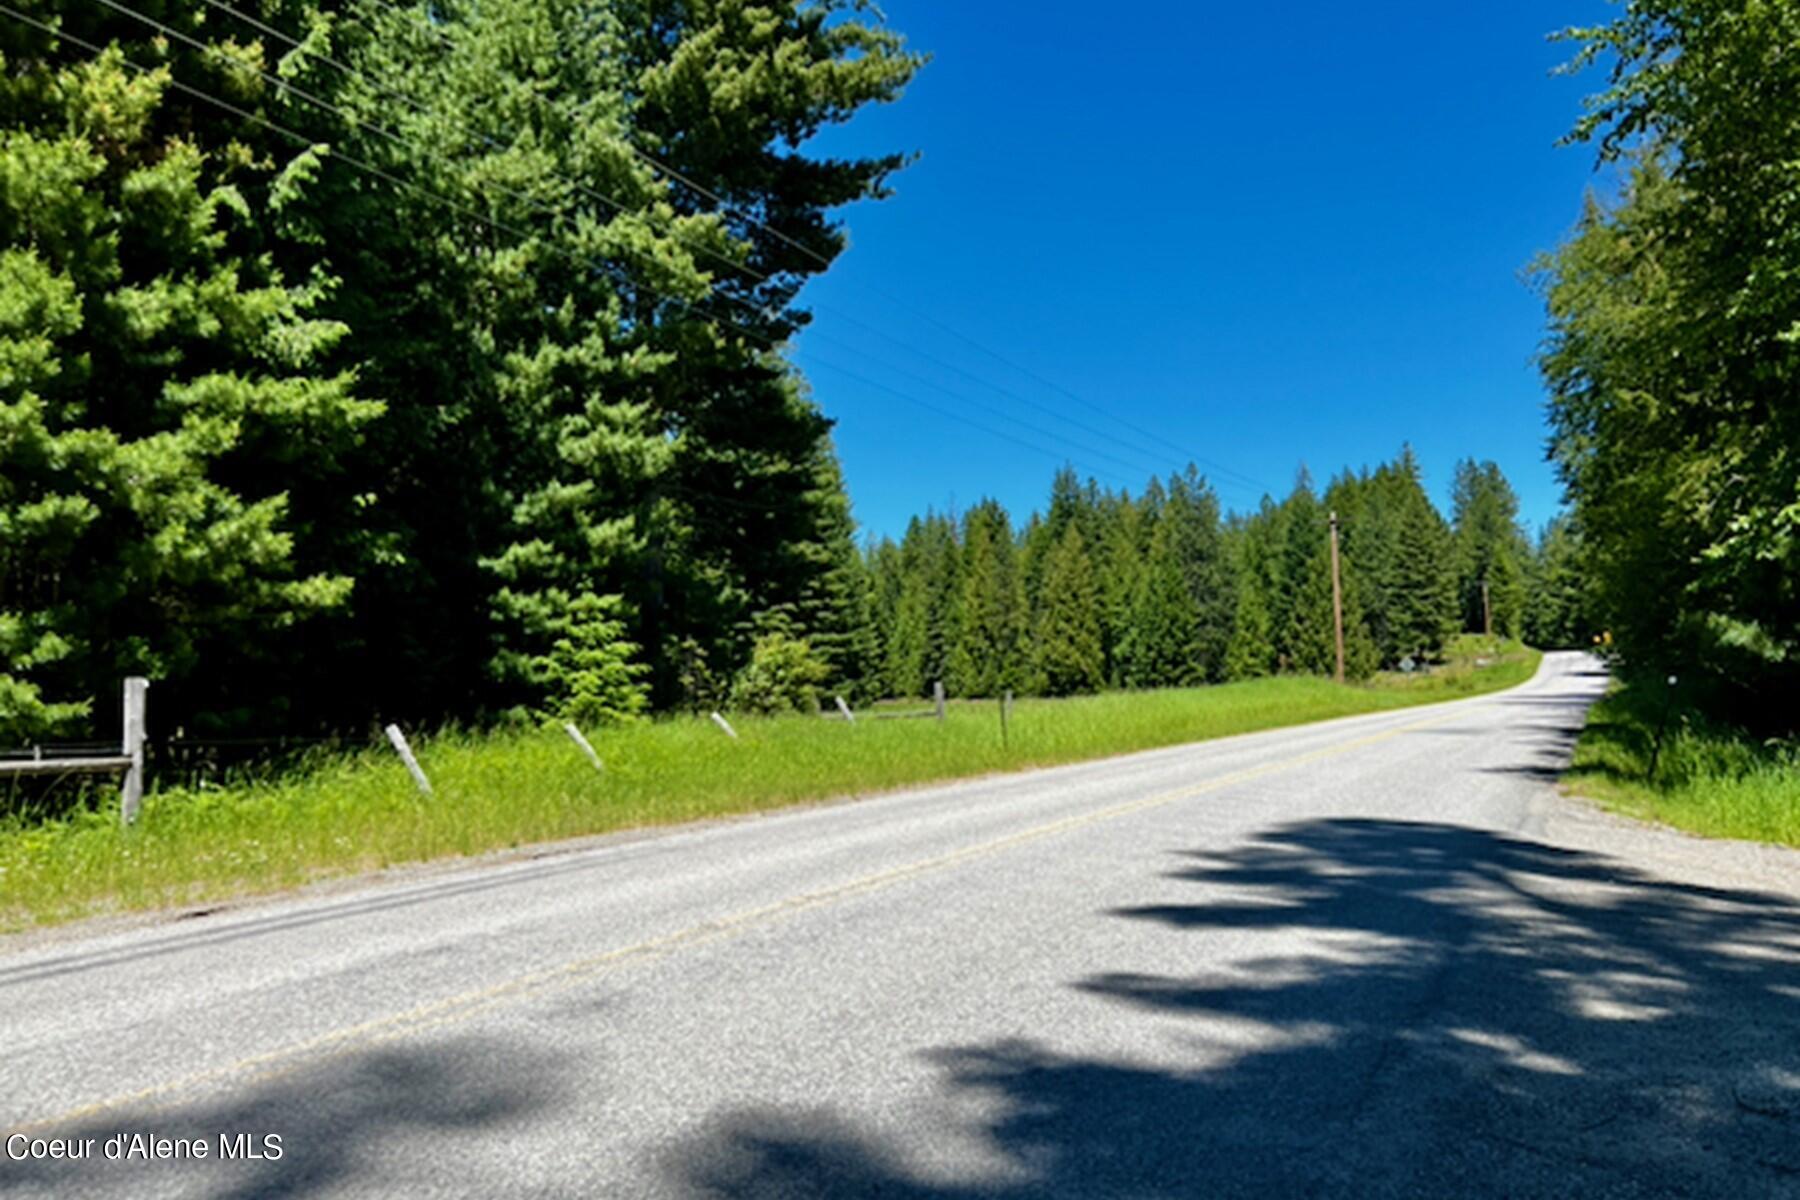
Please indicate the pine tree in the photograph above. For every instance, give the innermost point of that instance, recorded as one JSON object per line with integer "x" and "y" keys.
{"x": 882, "y": 561}
{"x": 1068, "y": 506}
{"x": 1119, "y": 563}
{"x": 908, "y": 637}
{"x": 1192, "y": 511}
{"x": 990, "y": 634}
{"x": 588, "y": 674}
{"x": 1296, "y": 620}
{"x": 1559, "y": 613}
{"x": 1490, "y": 547}
{"x": 834, "y": 611}
{"x": 927, "y": 611}
{"x": 1160, "y": 648}
{"x": 1421, "y": 600}
{"x": 1251, "y": 653}
{"x": 1258, "y": 541}
{"x": 1313, "y": 638}
{"x": 1070, "y": 656}
{"x": 1400, "y": 550}
{"x": 170, "y": 424}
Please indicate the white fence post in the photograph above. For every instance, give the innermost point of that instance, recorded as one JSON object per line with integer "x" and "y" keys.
{"x": 722, "y": 723}
{"x": 937, "y": 696}
{"x": 845, "y": 709}
{"x": 586, "y": 747}
{"x": 131, "y": 792}
{"x": 398, "y": 740}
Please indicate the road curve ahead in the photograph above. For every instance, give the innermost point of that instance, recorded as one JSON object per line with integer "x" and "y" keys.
{"x": 1377, "y": 956}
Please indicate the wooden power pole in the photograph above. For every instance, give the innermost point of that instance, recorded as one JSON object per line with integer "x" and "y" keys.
{"x": 1337, "y": 598}
{"x": 1487, "y": 609}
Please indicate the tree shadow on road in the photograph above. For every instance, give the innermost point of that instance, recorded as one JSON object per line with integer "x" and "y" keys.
{"x": 340, "y": 1122}
{"x": 1468, "y": 1013}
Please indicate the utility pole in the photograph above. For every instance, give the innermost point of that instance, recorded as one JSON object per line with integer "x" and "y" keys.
{"x": 1337, "y": 598}
{"x": 1487, "y": 609}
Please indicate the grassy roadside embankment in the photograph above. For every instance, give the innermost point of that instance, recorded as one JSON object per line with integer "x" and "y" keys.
{"x": 501, "y": 790}
{"x": 1708, "y": 779}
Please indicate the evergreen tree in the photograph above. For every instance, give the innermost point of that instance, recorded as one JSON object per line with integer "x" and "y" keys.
{"x": 926, "y": 619}
{"x": 1401, "y": 552}
{"x": 1044, "y": 532}
{"x": 1197, "y": 543}
{"x": 1490, "y": 548}
{"x": 1251, "y": 653}
{"x": 171, "y": 424}
{"x": 1159, "y": 649}
{"x": 1119, "y": 563}
{"x": 783, "y": 675}
{"x": 1313, "y": 638}
{"x": 886, "y": 581}
{"x": 1420, "y": 613}
{"x": 990, "y": 633}
{"x": 1295, "y": 616}
{"x": 1559, "y": 613}
{"x": 588, "y": 675}
{"x": 834, "y": 612}
{"x": 1069, "y": 652}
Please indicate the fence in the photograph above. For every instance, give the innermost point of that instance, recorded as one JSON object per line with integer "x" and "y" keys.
{"x": 193, "y": 760}
{"x": 127, "y": 760}
{"x": 183, "y": 761}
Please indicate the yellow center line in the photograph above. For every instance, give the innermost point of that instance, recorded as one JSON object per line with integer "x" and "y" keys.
{"x": 467, "y": 1005}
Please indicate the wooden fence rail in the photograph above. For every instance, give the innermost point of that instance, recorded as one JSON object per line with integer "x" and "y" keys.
{"x": 128, "y": 761}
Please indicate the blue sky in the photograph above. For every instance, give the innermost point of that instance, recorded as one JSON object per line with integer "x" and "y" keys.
{"x": 1254, "y": 238}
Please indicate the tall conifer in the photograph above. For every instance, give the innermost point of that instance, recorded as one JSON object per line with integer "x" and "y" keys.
{"x": 987, "y": 657}
{"x": 1069, "y": 652}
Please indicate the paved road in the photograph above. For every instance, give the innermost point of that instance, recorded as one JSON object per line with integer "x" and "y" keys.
{"x": 1376, "y": 956}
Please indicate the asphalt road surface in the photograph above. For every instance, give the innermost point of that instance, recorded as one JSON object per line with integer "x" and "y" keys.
{"x": 1378, "y": 956}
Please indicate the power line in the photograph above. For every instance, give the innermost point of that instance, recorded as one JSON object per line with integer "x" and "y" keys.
{"x": 396, "y": 139}
{"x": 338, "y": 110}
{"x": 1247, "y": 481}
{"x": 377, "y": 172}
{"x": 499, "y": 225}
{"x": 981, "y": 382}
{"x": 988, "y": 408}
{"x": 955, "y": 416}
{"x": 351, "y": 73}
{"x": 476, "y": 215}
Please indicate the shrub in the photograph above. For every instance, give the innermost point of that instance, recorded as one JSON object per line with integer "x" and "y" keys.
{"x": 783, "y": 675}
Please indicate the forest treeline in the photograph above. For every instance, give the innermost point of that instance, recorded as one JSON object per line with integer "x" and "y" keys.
{"x": 424, "y": 362}
{"x": 1162, "y": 589}
{"x": 1674, "y": 356}
{"x": 418, "y": 360}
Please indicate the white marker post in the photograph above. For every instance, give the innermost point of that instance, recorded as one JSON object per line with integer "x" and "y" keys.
{"x": 845, "y": 709}
{"x": 937, "y": 696}
{"x": 406, "y": 756}
{"x": 131, "y": 792}
{"x": 586, "y": 747}
{"x": 722, "y": 723}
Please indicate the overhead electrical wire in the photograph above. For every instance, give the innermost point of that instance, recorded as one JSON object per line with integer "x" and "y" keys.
{"x": 731, "y": 264}
{"x": 482, "y": 218}
{"x": 377, "y": 172}
{"x": 1160, "y": 442}
{"x": 768, "y": 342}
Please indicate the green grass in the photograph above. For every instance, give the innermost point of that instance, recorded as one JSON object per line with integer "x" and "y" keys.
{"x": 499, "y": 790}
{"x": 1710, "y": 780}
